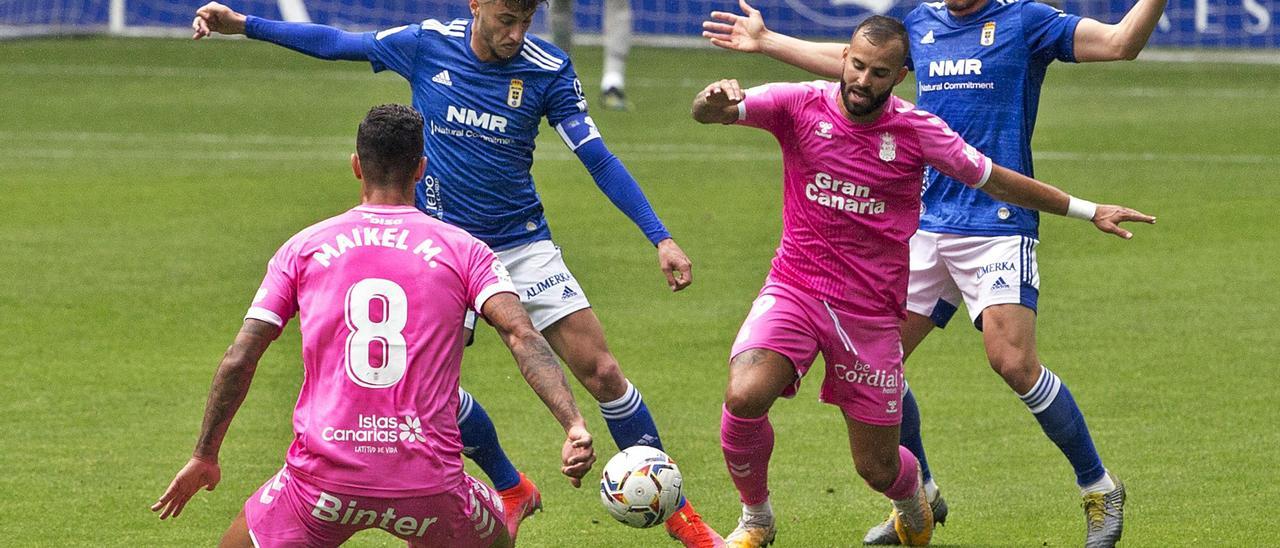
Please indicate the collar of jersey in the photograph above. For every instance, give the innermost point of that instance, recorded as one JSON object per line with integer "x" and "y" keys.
{"x": 392, "y": 209}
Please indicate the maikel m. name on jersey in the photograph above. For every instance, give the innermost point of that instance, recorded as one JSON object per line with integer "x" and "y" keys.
{"x": 982, "y": 74}
{"x": 481, "y": 122}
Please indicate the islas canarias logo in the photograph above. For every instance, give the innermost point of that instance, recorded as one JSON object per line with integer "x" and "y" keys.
{"x": 377, "y": 429}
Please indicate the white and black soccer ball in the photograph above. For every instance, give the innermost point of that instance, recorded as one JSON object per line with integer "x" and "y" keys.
{"x": 641, "y": 486}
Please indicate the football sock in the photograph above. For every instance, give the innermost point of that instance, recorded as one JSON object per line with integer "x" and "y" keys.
{"x": 907, "y": 482}
{"x": 629, "y": 420}
{"x": 1060, "y": 418}
{"x": 909, "y": 434}
{"x": 480, "y": 443}
{"x": 611, "y": 79}
{"x": 1103, "y": 485}
{"x": 747, "y": 446}
{"x": 763, "y": 509}
{"x": 931, "y": 489}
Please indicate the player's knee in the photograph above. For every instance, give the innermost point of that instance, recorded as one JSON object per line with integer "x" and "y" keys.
{"x": 603, "y": 378}
{"x": 745, "y": 401}
{"x": 1018, "y": 369}
{"x": 879, "y": 471}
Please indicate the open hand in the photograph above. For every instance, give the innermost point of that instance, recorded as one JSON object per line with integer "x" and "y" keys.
{"x": 1108, "y": 218}
{"x": 736, "y": 32}
{"x": 197, "y": 474}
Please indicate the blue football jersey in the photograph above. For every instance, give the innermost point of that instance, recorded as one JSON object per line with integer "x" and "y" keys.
{"x": 481, "y": 122}
{"x": 982, "y": 75}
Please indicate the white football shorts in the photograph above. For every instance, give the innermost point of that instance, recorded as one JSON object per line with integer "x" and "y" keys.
{"x": 981, "y": 270}
{"x": 548, "y": 291}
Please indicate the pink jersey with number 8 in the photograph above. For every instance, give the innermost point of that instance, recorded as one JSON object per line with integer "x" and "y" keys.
{"x": 380, "y": 293}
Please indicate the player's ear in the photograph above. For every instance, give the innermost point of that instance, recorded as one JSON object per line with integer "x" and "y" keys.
{"x": 355, "y": 166}
{"x": 422, "y": 169}
{"x": 902, "y": 75}
{"x": 475, "y": 7}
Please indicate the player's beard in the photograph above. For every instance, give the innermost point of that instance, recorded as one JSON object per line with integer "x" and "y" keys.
{"x": 873, "y": 101}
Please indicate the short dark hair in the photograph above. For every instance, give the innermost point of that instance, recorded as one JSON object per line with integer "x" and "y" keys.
{"x": 880, "y": 29}
{"x": 521, "y": 5}
{"x": 389, "y": 143}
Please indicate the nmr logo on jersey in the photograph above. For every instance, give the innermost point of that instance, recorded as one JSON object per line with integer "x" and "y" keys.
{"x": 491, "y": 122}
{"x": 955, "y": 67}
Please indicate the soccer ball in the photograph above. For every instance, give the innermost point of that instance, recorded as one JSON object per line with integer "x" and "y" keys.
{"x": 641, "y": 486}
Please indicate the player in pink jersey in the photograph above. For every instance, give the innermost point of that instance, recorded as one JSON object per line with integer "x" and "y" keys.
{"x": 381, "y": 292}
{"x": 853, "y": 162}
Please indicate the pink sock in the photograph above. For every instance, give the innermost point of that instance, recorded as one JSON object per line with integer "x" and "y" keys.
{"x": 747, "y": 445}
{"x": 908, "y": 479}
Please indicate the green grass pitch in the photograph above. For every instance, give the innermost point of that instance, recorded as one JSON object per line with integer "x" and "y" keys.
{"x": 144, "y": 184}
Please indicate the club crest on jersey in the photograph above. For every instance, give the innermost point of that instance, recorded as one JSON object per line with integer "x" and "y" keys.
{"x": 888, "y": 148}
{"x": 988, "y": 34}
{"x": 515, "y": 93}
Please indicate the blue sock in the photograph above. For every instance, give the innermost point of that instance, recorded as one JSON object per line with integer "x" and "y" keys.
{"x": 631, "y": 424}
{"x": 629, "y": 420}
{"x": 909, "y": 434}
{"x": 1061, "y": 420}
{"x": 480, "y": 443}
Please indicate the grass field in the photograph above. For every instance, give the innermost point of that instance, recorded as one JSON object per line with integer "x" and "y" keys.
{"x": 144, "y": 184}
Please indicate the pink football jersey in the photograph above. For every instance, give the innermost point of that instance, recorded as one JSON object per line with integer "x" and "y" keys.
{"x": 851, "y": 192}
{"x": 381, "y": 293}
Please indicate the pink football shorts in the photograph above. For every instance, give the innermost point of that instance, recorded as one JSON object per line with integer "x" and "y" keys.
{"x": 863, "y": 354}
{"x": 289, "y": 511}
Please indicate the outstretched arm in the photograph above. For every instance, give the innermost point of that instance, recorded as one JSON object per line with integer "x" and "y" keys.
{"x": 747, "y": 33}
{"x": 541, "y": 369}
{"x": 1010, "y": 186}
{"x": 1097, "y": 41}
{"x": 315, "y": 40}
{"x": 583, "y": 138}
{"x": 230, "y": 385}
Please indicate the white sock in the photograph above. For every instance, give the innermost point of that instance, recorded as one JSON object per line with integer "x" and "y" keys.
{"x": 1104, "y": 485}
{"x": 763, "y": 509}
{"x": 611, "y": 80}
{"x": 931, "y": 490}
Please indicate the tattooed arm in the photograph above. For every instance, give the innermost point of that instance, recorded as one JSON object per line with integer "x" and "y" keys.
{"x": 230, "y": 385}
{"x": 542, "y": 371}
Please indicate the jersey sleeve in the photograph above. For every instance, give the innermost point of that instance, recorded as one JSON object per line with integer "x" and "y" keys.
{"x": 1049, "y": 32}
{"x": 277, "y": 297}
{"x": 947, "y": 152}
{"x": 395, "y": 49}
{"x": 769, "y": 106}
{"x": 564, "y": 96}
{"x": 485, "y": 276}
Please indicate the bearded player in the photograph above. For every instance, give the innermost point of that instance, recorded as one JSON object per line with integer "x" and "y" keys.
{"x": 980, "y": 65}
{"x": 853, "y": 160}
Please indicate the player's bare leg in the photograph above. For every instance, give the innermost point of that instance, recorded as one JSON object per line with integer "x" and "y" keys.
{"x": 756, "y": 378}
{"x": 1009, "y": 334}
{"x": 237, "y": 535}
{"x": 891, "y": 469}
{"x": 579, "y": 340}
{"x": 914, "y": 330}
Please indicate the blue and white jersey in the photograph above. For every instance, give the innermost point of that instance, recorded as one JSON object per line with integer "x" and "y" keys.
{"x": 982, "y": 75}
{"x": 481, "y": 122}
